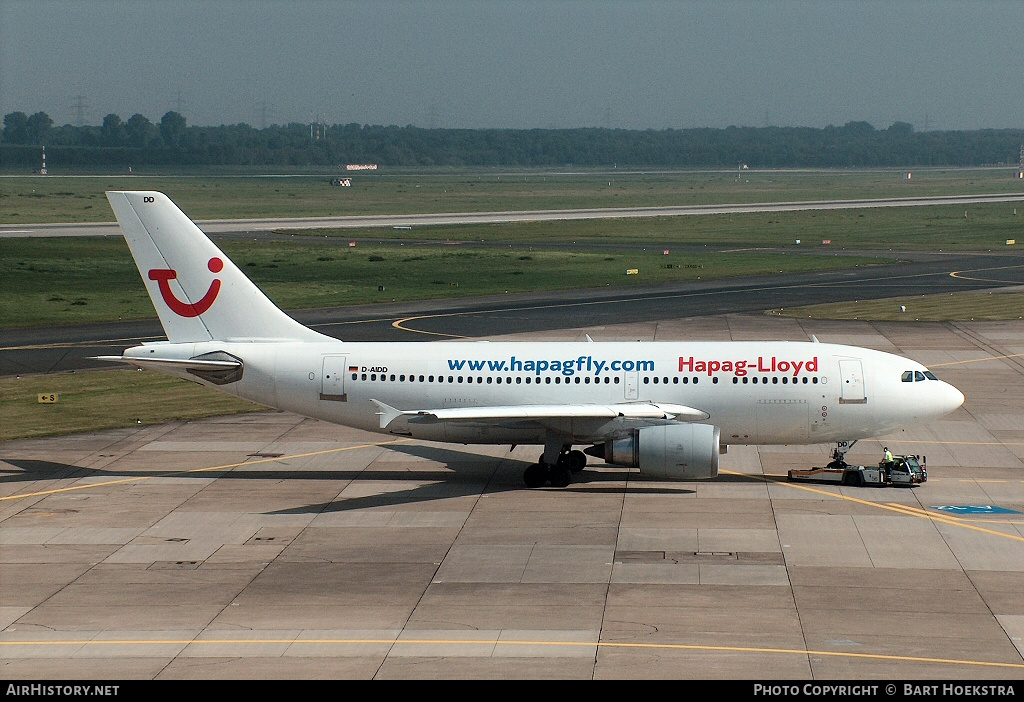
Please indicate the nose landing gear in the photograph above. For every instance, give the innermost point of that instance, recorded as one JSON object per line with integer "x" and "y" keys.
{"x": 839, "y": 453}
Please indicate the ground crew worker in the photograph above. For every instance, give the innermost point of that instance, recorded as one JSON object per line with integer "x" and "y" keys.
{"x": 887, "y": 466}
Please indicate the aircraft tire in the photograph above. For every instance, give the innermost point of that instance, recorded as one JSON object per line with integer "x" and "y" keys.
{"x": 561, "y": 476}
{"x": 535, "y": 476}
{"x": 576, "y": 460}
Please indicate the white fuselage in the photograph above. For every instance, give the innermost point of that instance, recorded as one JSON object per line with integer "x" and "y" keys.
{"x": 755, "y": 392}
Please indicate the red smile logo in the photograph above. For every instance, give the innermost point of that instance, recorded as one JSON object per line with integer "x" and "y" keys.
{"x": 185, "y": 309}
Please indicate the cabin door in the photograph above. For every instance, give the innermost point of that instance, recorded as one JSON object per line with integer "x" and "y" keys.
{"x": 332, "y": 382}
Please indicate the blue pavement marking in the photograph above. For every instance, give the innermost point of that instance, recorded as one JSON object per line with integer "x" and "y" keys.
{"x": 974, "y": 509}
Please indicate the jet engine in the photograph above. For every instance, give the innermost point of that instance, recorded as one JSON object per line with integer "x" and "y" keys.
{"x": 670, "y": 452}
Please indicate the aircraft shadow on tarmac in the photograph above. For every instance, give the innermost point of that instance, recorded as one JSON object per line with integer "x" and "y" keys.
{"x": 461, "y": 474}
{"x": 468, "y": 473}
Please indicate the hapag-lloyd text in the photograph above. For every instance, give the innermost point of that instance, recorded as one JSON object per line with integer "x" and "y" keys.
{"x": 742, "y": 367}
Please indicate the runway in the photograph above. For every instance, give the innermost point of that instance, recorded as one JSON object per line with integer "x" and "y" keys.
{"x": 268, "y": 546}
{"x": 256, "y": 226}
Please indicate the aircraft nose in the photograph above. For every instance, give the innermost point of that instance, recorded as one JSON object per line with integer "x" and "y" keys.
{"x": 951, "y": 398}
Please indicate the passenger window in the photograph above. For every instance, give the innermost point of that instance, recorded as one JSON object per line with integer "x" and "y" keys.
{"x": 908, "y": 376}
{"x": 918, "y": 376}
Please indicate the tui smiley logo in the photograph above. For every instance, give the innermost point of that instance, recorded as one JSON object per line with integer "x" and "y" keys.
{"x": 163, "y": 276}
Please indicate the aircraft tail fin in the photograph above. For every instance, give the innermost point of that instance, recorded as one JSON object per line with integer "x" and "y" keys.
{"x": 199, "y": 294}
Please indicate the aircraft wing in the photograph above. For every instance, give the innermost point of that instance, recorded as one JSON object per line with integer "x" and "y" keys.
{"x": 627, "y": 410}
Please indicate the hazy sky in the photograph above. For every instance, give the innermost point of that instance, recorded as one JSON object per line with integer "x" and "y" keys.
{"x": 519, "y": 63}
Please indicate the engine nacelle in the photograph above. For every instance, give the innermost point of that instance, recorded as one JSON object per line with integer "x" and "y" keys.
{"x": 671, "y": 452}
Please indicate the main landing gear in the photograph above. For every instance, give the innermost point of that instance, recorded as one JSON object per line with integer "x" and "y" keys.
{"x": 558, "y": 474}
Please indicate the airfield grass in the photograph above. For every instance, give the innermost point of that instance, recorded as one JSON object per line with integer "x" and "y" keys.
{"x": 77, "y": 280}
{"x": 106, "y": 399}
{"x": 77, "y": 198}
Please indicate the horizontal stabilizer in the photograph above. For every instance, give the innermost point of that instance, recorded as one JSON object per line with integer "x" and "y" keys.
{"x": 158, "y": 363}
{"x": 216, "y": 367}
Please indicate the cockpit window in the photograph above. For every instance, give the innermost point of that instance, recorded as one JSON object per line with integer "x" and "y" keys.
{"x": 918, "y": 376}
{"x": 930, "y": 375}
{"x": 908, "y": 376}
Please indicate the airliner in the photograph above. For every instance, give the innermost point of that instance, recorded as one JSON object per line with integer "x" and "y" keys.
{"x": 667, "y": 409}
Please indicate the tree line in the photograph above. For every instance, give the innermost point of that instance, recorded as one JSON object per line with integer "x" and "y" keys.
{"x": 138, "y": 141}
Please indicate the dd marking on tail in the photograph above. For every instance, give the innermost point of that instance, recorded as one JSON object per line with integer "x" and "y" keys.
{"x": 185, "y": 309}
